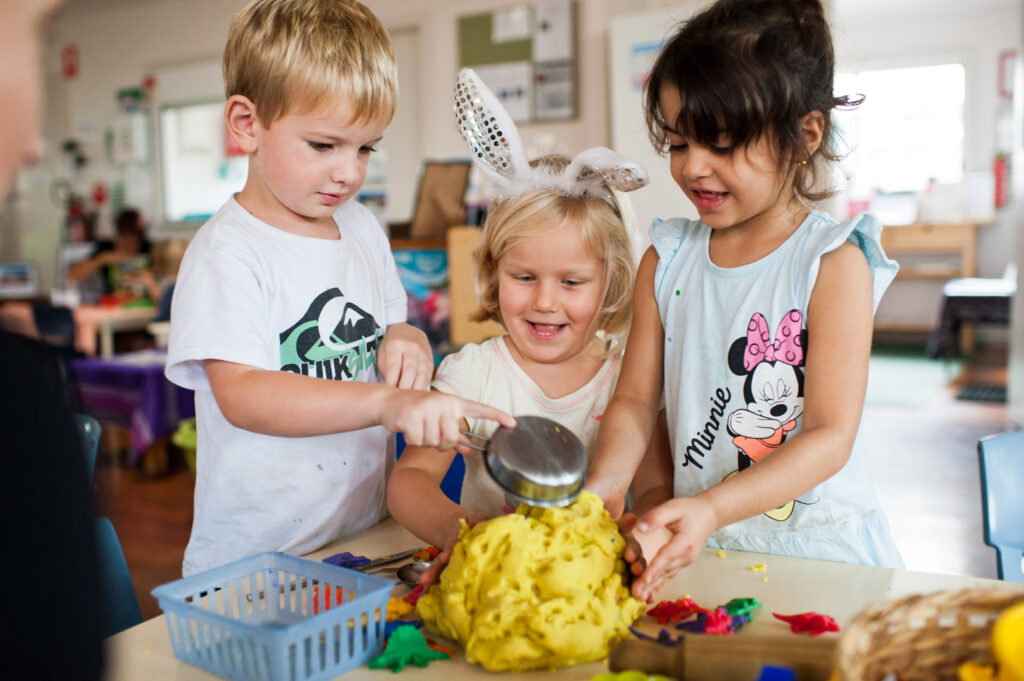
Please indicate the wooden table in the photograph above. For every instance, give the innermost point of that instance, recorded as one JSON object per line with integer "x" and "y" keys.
{"x": 787, "y": 585}
{"x": 103, "y": 321}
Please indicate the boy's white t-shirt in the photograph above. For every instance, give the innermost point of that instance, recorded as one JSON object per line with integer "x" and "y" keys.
{"x": 253, "y": 294}
{"x": 488, "y": 373}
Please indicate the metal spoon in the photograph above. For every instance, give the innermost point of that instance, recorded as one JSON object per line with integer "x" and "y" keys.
{"x": 540, "y": 462}
{"x": 410, "y": 572}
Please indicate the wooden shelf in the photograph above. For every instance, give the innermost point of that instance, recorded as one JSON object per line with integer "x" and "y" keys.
{"x": 959, "y": 239}
{"x": 942, "y": 273}
{"x": 956, "y": 243}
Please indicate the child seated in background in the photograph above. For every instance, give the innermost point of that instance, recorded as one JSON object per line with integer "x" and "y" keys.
{"x": 288, "y": 317}
{"x": 115, "y": 262}
{"x": 554, "y": 267}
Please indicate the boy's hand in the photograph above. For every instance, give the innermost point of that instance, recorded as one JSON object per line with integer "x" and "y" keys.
{"x": 690, "y": 520}
{"x": 433, "y": 419}
{"x": 437, "y": 565}
{"x": 404, "y": 357}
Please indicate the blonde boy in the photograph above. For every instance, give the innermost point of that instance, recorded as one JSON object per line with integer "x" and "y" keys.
{"x": 288, "y": 318}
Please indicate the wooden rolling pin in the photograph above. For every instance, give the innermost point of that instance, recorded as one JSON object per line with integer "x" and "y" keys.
{"x": 728, "y": 658}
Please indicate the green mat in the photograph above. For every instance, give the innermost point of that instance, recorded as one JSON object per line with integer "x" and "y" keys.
{"x": 904, "y": 376}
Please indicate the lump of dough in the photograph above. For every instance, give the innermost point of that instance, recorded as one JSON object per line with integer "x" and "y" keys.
{"x": 540, "y": 588}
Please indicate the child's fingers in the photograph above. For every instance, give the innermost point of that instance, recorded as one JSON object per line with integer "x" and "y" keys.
{"x": 672, "y": 558}
{"x": 423, "y": 375}
{"x": 388, "y": 364}
{"x": 406, "y": 375}
{"x": 633, "y": 553}
{"x": 483, "y": 411}
{"x": 449, "y": 433}
{"x": 659, "y": 516}
{"x": 433, "y": 573}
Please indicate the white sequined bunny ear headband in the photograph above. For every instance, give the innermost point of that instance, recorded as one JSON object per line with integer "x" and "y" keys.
{"x": 498, "y": 151}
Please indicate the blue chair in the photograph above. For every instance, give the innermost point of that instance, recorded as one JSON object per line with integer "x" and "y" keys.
{"x": 119, "y": 599}
{"x": 89, "y": 429}
{"x": 451, "y": 485}
{"x": 1002, "y": 481}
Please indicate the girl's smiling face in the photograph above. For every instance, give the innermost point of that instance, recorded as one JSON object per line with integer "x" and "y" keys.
{"x": 550, "y": 288}
{"x": 730, "y": 186}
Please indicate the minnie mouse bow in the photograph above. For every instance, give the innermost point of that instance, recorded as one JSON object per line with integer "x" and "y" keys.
{"x": 494, "y": 140}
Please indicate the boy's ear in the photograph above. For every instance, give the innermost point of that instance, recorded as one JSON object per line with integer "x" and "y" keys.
{"x": 241, "y": 119}
{"x": 812, "y": 128}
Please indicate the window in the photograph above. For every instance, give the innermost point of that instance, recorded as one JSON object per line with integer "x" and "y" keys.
{"x": 199, "y": 168}
{"x": 909, "y": 130}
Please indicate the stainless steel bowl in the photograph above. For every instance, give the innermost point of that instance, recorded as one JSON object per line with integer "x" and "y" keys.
{"x": 539, "y": 462}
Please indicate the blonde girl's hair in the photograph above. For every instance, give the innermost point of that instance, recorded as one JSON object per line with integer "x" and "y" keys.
{"x": 546, "y": 210}
{"x": 302, "y": 55}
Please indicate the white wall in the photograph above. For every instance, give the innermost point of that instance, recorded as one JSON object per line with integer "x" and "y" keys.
{"x": 120, "y": 41}
{"x": 1016, "y": 368}
{"x": 971, "y": 34}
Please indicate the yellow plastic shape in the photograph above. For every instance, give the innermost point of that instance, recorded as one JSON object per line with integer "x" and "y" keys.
{"x": 1008, "y": 643}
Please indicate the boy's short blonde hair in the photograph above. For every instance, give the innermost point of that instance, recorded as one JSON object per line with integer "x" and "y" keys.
{"x": 298, "y": 55}
{"x": 546, "y": 210}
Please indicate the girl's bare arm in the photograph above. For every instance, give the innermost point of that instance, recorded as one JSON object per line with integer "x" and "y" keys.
{"x": 630, "y": 417}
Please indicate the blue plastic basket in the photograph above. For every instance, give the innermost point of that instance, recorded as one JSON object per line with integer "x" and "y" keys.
{"x": 267, "y": 618}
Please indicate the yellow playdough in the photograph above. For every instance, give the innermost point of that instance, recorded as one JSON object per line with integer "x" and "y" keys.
{"x": 540, "y": 588}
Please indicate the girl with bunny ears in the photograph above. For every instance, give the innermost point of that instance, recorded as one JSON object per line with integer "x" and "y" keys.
{"x": 555, "y": 267}
{"x": 754, "y": 322}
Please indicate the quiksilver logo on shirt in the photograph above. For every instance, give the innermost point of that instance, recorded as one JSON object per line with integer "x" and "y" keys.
{"x": 334, "y": 339}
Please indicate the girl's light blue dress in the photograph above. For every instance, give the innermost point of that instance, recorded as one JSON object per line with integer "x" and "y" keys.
{"x": 734, "y": 363}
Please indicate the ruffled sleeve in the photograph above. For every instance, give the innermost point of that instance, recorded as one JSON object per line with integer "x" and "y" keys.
{"x": 667, "y": 238}
{"x": 865, "y": 231}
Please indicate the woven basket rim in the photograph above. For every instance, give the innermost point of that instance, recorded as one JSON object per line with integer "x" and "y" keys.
{"x": 923, "y": 636}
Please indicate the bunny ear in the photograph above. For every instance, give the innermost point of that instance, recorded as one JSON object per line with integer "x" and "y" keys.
{"x": 488, "y": 129}
{"x": 599, "y": 164}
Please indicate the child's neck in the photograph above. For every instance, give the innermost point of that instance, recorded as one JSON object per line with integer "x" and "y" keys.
{"x": 257, "y": 203}
{"x": 558, "y": 379}
{"x": 749, "y": 241}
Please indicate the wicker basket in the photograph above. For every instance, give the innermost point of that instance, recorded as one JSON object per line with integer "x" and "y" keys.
{"x": 923, "y": 637}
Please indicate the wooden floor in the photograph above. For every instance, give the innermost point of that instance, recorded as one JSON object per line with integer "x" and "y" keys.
{"x": 153, "y": 518}
{"x": 923, "y": 460}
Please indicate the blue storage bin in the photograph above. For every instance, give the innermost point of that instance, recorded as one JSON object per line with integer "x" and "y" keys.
{"x": 267, "y": 617}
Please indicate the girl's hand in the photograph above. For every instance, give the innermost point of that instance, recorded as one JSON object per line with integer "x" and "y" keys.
{"x": 439, "y": 563}
{"x": 634, "y": 553}
{"x": 433, "y": 419}
{"x": 614, "y": 500}
{"x": 690, "y": 520}
{"x": 404, "y": 357}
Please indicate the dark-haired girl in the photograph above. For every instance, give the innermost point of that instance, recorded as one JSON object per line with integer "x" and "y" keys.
{"x": 755, "y": 320}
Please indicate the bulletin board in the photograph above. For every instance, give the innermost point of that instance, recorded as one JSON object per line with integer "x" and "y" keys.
{"x": 526, "y": 54}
